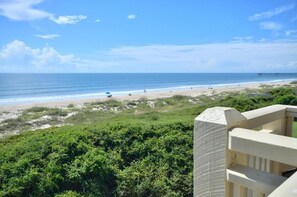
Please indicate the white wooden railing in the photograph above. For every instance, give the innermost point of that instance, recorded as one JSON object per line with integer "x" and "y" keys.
{"x": 245, "y": 154}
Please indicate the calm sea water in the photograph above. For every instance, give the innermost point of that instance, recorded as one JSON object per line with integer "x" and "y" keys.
{"x": 27, "y": 88}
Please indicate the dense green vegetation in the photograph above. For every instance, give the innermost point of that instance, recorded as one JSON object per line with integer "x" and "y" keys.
{"x": 119, "y": 149}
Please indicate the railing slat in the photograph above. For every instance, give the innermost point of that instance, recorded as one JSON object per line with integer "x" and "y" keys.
{"x": 273, "y": 147}
{"x": 257, "y": 180}
{"x": 236, "y": 190}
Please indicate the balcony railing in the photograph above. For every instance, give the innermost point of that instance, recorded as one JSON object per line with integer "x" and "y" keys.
{"x": 248, "y": 154}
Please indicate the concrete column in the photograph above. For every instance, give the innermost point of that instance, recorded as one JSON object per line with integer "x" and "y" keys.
{"x": 210, "y": 150}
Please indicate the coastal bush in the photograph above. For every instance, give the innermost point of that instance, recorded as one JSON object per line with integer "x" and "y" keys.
{"x": 69, "y": 194}
{"x": 286, "y": 100}
{"x": 240, "y": 102}
{"x": 37, "y": 109}
{"x": 108, "y": 103}
{"x": 13, "y": 124}
{"x": 37, "y": 112}
{"x": 282, "y": 91}
{"x": 102, "y": 160}
{"x": 52, "y": 161}
{"x": 70, "y": 105}
{"x": 180, "y": 97}
{"x": 56, "y": 112}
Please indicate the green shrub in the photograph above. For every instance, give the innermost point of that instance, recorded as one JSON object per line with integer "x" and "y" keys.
{"x": 286, "y": 100}
{"x": 108, "y": 103}
{"x": 69, "y": 194}
{"x": 241, "y": 103}
{"x": 70, "y": 106}
{"x": 180, "y": 97}
{"x": 54, "y": 161}
{"x": 56, "y": 112}
{"x": 282, "y": 91}
{"x": 37, "y": 109}
{"x": 99, "y": 160}
{"x": 13, "y": 124}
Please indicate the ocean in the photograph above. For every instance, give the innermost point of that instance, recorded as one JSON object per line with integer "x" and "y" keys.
{"x": 29, "y": 88}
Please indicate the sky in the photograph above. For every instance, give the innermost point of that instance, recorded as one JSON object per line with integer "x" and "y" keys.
{"x": 148, "y": 36}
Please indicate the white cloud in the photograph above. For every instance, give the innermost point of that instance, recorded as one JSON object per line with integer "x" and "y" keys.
{"x": 48, "y": 36}
{"x": 240, "y": 39}
{"x": 292, "y": 65}
{"x": 97, "y": 20}
{"x": 270, "y": 26}
{"x": 271, "y": 13}
{"x": 17, "y": 56}
{"x": 278, "y": 56}
{"x": 22, "y": 10}
{"x": 291, "y": 32}
{"x": 220, "y": 57}
{"x": 64, "y": 20}
{"x": 262, "y": 40}
{"x": 131, "y": 16}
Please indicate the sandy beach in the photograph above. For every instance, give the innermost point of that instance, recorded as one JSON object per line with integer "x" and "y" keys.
{"x": 192, "y": 91}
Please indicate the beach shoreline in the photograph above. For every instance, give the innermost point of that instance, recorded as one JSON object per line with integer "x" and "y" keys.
{"x": 149, "y": 95}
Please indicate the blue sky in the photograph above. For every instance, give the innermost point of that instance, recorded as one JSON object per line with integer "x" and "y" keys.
{"x": 148, "y": 36}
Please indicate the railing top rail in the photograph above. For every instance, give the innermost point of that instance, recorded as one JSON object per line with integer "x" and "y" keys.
{"x": 291, "y": 111}
{"x": 258, "y": 180}
{"x": 274, "y": 147}
{"x": 264, "y": 111}
{"x": 288, "y": 188}
{"x": 264, "y": 115}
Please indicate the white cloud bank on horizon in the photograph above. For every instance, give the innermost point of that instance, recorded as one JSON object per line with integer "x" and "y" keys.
{"x": 65, "y": 20}
{"x": 16, "y": 56}
{"x": 271, "y": 13}
{"x": 22, "y": 10}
